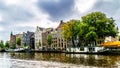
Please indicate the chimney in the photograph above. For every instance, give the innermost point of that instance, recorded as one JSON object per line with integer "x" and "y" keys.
{"x": 61, "y": 21}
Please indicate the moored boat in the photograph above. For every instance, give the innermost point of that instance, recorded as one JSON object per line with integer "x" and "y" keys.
{"x": 15, "y": 50}
{"x": 85, "y": 50}
{"x": 105, "y": 48}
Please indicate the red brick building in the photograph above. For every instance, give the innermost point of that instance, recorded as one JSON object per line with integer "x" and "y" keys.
{"x": 12, "y": 39}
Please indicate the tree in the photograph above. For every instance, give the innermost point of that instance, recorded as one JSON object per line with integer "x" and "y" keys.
{"x": 91, "y": 37}
{"x": 25, "y": 46}
{"x": 87, "y": 34}
{"x": 83, "y": 30}
{"x": 7, "y": 44}
{"x": 18, "y": 41}
{"x": 119, "y": 38}
{"x": 70, "y": 30}
{"x": 2, "y": 45}
{"x": 103, "y": 26}
{"x": 39, "y": 44}
{"x": 12, "y": 46}
{"x": 92, "y": 28}
{"x": 49, "y": 39}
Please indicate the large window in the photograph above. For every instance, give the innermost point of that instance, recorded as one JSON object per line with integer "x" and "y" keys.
{"x": 91, "y": 49}
{"x": 81, "y": 48}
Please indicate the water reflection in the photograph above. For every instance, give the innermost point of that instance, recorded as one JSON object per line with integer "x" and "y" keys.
{"x": 75, "y": 59}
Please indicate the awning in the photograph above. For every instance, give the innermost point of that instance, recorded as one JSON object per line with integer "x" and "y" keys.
{"x": 111, "y": 44}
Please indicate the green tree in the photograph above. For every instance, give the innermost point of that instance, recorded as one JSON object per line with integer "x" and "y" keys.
{"x": 119, "y": 38}
{"x": 39, "y": 43}
{"x": 7, "y": 44}
{"x": 92, "y": 28}
{"x": 25, "y": 46}
{"x": 13, "y": 46}
{"x": 49, "y": 39}
{"x": 70, "y": 30}
{"x": 91, "y": 37}
{"x": 103, "y": 26}
{"x": 18, "y": 41}
{"x": 2, "y": 44}
{"x": 86, "y": 34}
{"x": 83, "y": 30}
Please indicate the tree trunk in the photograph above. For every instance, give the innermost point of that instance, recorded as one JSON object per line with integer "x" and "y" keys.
{"x": 73, "y": 42}
{"x": 78, "y": 44}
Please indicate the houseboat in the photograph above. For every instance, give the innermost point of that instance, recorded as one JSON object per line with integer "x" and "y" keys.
{"x": 86, "y": 49}
{"x": 105, "y": 48}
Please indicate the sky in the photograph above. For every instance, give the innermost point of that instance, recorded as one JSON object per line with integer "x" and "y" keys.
{"x": 19, "y": 16}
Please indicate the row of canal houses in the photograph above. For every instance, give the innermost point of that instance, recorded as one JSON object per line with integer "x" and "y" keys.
{"x": 38, "y": 40}
{"x": 26, "y": 39}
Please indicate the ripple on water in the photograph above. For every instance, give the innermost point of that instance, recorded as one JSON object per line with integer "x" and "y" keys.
{"x": 17, "y": 63}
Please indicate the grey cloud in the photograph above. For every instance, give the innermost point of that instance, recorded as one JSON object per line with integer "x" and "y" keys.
{"x": 12, "y": 16}
{"x": 59, "y": 10}
{"x": 109, "y": 7}
{"x": 62, "y": 9}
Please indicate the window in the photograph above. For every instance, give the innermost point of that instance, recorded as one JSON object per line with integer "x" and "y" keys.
{"x": 81, "y": 48}
{"x": 91, "y": 49}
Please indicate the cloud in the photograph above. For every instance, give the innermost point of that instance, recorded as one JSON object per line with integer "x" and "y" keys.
{"x": 1, "y": 19}
{"x": 107, "y": 6}
{"x": 57, "y": 9}
{"x": 13, "y": 13}
{"x": 22, "y": 15}
{"x": 12, "y": 2}
{"x": 83, "y": 6}
{"x": 110, "y": 8}
{"x": 1, "y": 28}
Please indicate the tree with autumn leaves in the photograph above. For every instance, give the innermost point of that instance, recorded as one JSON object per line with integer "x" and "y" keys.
{"x": 70, "y": 30}
{"x": 92, "y": 27}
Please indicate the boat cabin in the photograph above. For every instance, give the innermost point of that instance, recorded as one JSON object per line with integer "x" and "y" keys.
{"x": 85, "y": 49}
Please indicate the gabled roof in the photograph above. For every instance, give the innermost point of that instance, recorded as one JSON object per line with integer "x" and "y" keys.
{"x": 32, "y": 35}
{"x": 61, "y": 24}
{"x": 40, "y": 28}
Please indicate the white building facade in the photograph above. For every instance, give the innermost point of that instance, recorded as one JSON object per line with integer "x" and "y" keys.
{"x": 111, "y": 39}
{"x": 38, "y": 38}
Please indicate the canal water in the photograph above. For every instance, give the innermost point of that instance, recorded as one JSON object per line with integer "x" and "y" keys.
{"x": 58, "y": 60}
